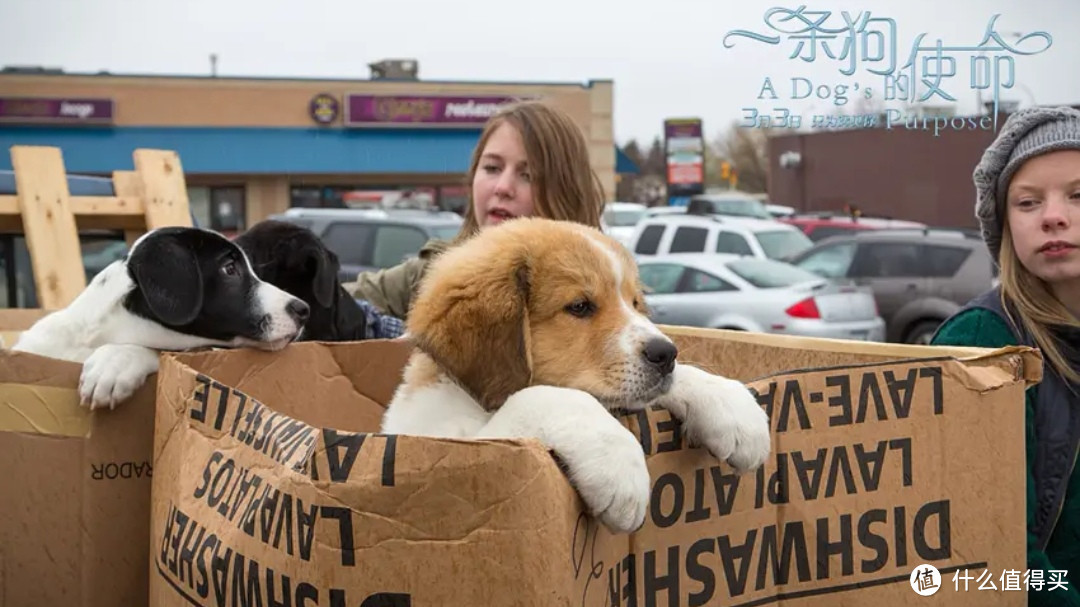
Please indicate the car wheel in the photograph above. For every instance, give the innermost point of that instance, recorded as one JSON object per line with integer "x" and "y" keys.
{"x": 921, "y": 333}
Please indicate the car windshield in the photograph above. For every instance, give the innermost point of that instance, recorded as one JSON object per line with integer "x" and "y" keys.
{"x": 769, "y": 274}
{"x": 623, "y": 218}
{"x": 780, "y": 244}
{"x": 740, "y": 207}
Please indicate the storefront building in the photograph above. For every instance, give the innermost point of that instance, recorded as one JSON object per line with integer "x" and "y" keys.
{"x": 251, "y": 147}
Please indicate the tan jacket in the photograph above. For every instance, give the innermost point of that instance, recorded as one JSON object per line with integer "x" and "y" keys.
{"x": 391, "y": 290}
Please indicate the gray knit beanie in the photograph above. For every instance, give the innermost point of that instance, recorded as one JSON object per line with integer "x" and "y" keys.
{"x": 1027, "y": 133}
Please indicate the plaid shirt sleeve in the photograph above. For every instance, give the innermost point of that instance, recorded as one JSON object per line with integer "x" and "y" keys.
{"x": 379, "y": 325}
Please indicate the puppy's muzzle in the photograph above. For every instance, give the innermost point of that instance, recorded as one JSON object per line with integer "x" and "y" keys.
{"x": 298, "y": 311}
{"x": 660, "y": 355}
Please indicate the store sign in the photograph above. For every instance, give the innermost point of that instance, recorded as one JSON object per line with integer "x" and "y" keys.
{"x": 324, "y": 108}
{"x": 684, "y": 151}
{"x": 422, "y": 110}
{"x": 29, "y": 110}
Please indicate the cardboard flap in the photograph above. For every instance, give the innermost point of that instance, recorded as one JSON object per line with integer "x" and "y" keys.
{"x": 751, "y": 356}
{"x": 345, "y": 385}
{"x": 39, "y": 395}
{"x": 32, "y": 369}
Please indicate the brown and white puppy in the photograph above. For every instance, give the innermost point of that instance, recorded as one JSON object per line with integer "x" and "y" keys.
{"x": 536, "y": 328}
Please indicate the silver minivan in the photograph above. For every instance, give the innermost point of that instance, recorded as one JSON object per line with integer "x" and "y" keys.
{"x": 374, "y": 239}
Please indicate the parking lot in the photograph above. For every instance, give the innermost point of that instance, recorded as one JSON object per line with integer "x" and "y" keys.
{"x": 725, "y": 261}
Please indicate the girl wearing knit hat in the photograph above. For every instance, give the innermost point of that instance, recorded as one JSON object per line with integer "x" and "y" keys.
{"x": 1028, "y": 206}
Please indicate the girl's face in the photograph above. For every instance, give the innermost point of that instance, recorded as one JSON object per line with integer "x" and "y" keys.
{"x": 1043, "y": 211}
{"x": 502, "y": 186}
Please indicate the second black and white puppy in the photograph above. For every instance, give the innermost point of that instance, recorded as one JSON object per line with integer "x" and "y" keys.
{"x": 292, "y": 258}
{"x": 177, "y": 288}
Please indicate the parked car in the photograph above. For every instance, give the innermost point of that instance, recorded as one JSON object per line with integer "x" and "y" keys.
{"x": 779, "y": 210}
{"x": 712, "y": 234}
{"x": 374, "y": 239}
{"x": 657, "y": 211}
{"x": 620, "y": 218}
{"x": 819, "y": 226}
{"x": 760, "y": 295}
{"x": 919, "y": 277}
{"x": 732, "y": 204}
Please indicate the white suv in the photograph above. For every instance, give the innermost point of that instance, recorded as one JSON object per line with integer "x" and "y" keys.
{"x": 712, "y": 234}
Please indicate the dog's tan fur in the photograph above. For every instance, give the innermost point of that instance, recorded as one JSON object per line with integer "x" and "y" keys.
{"x": 493, "y": 312}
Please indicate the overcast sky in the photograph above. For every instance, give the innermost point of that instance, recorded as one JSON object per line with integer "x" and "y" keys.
{"x": 666, "y": 58}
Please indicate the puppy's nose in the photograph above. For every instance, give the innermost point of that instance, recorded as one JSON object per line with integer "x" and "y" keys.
{"x": 298, "y": 311}
{"x": 661, "y": 354}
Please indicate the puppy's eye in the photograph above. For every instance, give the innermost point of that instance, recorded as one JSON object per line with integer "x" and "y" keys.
{"x": 229, "y": 269}
{"x": 581, "y": 308}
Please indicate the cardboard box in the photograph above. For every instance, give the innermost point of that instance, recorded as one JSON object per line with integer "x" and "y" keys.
{"x": 75, "y": 489}
{"x": 271, "y": 487}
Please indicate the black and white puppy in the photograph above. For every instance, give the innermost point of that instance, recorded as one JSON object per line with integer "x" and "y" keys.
{"x": 177, "y": 288}
{"x": 291, "y": 257}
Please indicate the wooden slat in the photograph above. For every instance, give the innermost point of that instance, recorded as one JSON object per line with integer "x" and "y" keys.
{"x": 163, "y": 188}
{"x": 128, "y": 184}
{"x": 19, "y": 319}
{"x": 14, "y": 321}
{"x": 86, "y": 205}
{"x": 91, "y": 213}
{"x": 49, "y": 224}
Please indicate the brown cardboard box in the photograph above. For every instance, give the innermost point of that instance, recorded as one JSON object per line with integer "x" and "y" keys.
{"x": 272, "y": 489}
{"x": 75, "y": 489}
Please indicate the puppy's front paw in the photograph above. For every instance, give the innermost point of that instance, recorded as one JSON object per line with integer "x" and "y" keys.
{"x": 723, "y": 416}
{"x": 604, "y": 461}
{"x": 612, "y": 478}
{"x": 113, "y": 373}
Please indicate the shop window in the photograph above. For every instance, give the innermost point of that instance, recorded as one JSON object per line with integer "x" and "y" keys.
{"x": 227, "y": 209}
{"x": 199, "y": 201}
{"x": 305, "y": 197}
{"x": 218, "y": 208}
{"x": 364, "y": 197}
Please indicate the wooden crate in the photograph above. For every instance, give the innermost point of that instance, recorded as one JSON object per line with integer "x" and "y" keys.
{"x": 151, "y": 196}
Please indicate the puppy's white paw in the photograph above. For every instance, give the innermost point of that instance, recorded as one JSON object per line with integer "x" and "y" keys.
{"x": 113, "y": 373}
{"x": 612, "y": 478}
{"x": 723, "y": 416}
{"x": 605, "y": 462}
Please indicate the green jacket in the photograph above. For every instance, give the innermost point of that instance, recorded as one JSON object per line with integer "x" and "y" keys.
{"x": 982, "y": 328}
{"x": 391, "y": 290}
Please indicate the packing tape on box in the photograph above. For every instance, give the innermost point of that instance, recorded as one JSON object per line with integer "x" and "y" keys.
{"x": 46, "y": 410}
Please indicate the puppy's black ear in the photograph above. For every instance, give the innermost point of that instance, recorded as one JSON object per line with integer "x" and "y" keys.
{"x": 325, "y": 276}
{"x": 167, "y": 272}
{"x": 320, "y": 265}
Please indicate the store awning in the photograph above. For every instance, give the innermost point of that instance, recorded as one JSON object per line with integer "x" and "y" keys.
{"x": 256, "y": 150}
{"x": 207, "y": 150}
